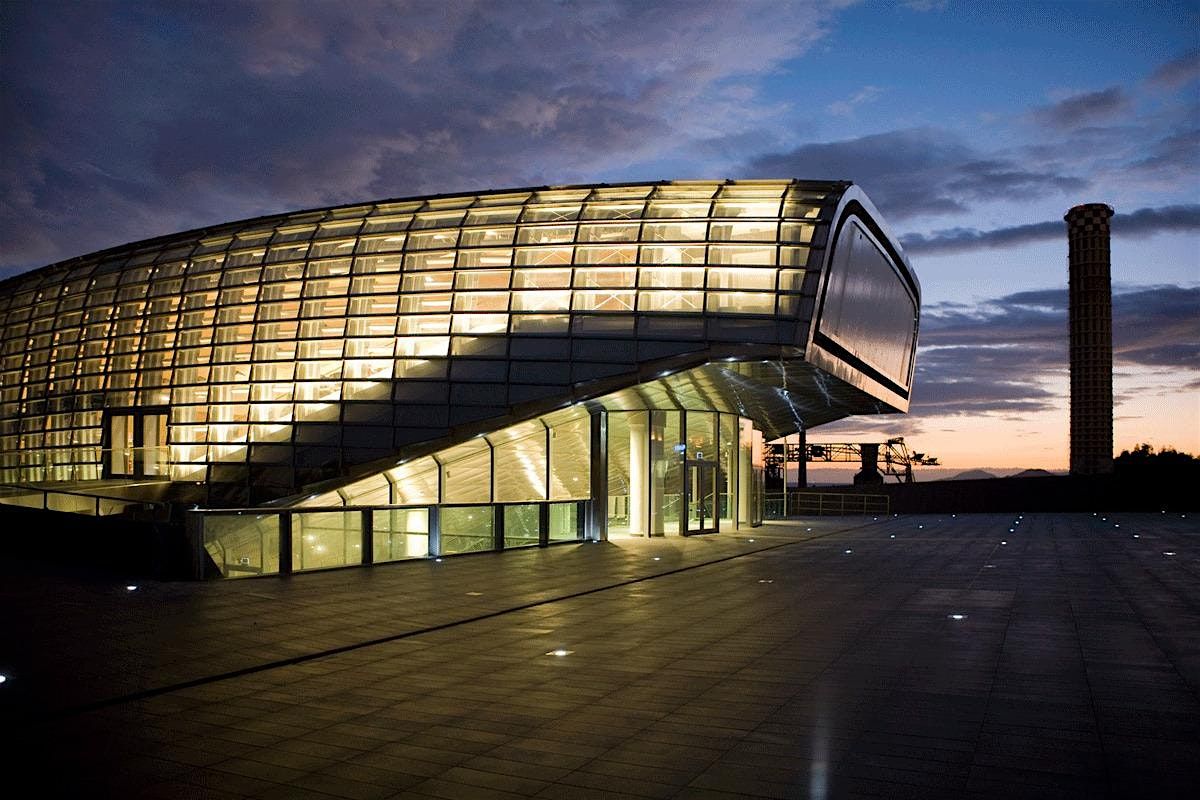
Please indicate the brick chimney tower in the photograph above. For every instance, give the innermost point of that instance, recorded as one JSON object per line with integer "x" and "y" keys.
{"x": 1090, "y": 294}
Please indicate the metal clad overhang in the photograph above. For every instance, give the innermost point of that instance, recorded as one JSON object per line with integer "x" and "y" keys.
{"x": 822, "y": 353}
{"x": 774, "y": 386}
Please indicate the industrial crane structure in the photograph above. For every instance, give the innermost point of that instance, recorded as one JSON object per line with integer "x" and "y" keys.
{"x": 897, "y": 460}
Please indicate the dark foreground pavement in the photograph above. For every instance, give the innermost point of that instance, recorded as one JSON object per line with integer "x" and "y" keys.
{"x": 919, "y": 657}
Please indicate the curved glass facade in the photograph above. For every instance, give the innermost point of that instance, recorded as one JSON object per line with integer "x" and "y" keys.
{"x": 450, "y": 348}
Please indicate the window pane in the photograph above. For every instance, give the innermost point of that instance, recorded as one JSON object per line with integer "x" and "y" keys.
{"x": 243, "y": 545}
{"x": 467, "y": 473}
{"x": 671, "y": 300}
{"x": 570, "y": 459}
{"x": 564, "y": 522}
{"x": 521, "y": 526}
{"x": 467, "y": 529}
{"x": 541, "y": 301}
{"x": 326, "y": 539}
{"x": 741, "y": 303}
{"x": 674, "y": 232}
{"x": 741, "y": 254}
{"x": 608, "y": 233}
{"x": 672, "y": 277}
{"x": 754, "y": 279}
{"x": 673, "y": 255}
{"x": 607, "y": 300}
{"x": 399, "y": 534}
{"x": 541, "y": 278}
{"x": 604, "y": 277}
{"x": 520, "y": 468}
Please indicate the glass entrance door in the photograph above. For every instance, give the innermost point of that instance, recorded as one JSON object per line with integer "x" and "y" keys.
{"x": 702, "y": 496}
{"x": 137, "y": 443}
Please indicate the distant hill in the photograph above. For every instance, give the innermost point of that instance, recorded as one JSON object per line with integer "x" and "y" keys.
{"x": 1032, "y": 473}
{"x": 970, "y": 475}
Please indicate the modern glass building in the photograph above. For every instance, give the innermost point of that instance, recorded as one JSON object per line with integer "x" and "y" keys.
{"x": 460, "y": 372}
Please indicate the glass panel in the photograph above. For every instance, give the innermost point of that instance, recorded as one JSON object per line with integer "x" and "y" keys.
{"x": 741, "y": 302}
{"x": 467, "y": 473}
{"x": 543, "y": 256}
{"x": 400, "y": 533}
{"x": 762, "y": 280}
{"x": 749, "y": 255}
{"x": 763, "y": 231}
{"x": 609, "y": 300}
{"x": 466, "y": 529}
{"x": 546, "y": 234}
{"x": 701, "y": 458}
{"x": 673, "y": 254}
{"x": 727, "y": 466}
{"x": 243, "y": 545}
{"x": 745, "y": 473}
{"x": 564, "y": 522}
{"x": 121, "y": 428}
{"x": 671, "y": 300}
{"x": 570, "y": 459}
{"x": 608, "y": 233}
{"x": 326, "y": 539}
{"x": 666, "y": 452}
{"x": 521, "y": 526}
{"x": 415, "y": 482}
{"x": 541, "y": 301}
{"x": 520, "y": 469}
{"x": 541, "y": 278}
{"x": 672, "y": 277}
{"x": 628, "y": 462}
{"x": 154, "y": 444}
{"x": 674, "y": 232}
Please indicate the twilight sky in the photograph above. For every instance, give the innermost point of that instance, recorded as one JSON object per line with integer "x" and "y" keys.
{"x": 973, "y": 127}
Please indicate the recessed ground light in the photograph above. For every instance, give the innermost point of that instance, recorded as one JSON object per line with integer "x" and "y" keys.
{"x": 1004, "y": 543}
{"x": 1136, "y": 536}
{"x": 893, "y": 536}
{"x": 1104, "y": 519}
{"x": 474, "y": 594}
{"x": 958, "y": 616}
{"x": 764, "y": 580}
{"x": 656, "y": 558}
{"x": 875, "y": 519}
{"x": 848, "y": 552}
{"x": 751, "y": 540}
{"x": 1116, "y": 526}
{"x": 3, "y": 678}
{"x": 921, "y": 527}
{"x": 989, "y": 566}
{"x": 1168, "y": 552}
{"x": 131, "y": 587}
{"x": 560, "y": 652}
{"x": 437, "y": 560}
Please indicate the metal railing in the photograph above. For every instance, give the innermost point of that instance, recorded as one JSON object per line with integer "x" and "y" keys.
{"x": 279, "y": 541}
{"x": 88, "y": 503}
{"x": 819, "y": 504}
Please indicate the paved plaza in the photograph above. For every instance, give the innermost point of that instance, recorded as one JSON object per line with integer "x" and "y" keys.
{"x": 932, "y": 656}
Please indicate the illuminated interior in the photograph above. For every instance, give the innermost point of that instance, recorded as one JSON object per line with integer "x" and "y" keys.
{"x": 459, "y": 350}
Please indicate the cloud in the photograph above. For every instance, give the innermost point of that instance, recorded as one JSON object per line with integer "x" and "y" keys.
{"x": 1084, "y": 109}
{"x": 845, "y": 108}
{"x": 123, "y": 126}
{"x": 1001, "y": 356}
{"x": 916, "y": 171}
{"x": 1177, "y": 72}
{"x": 1137, "y": 224}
